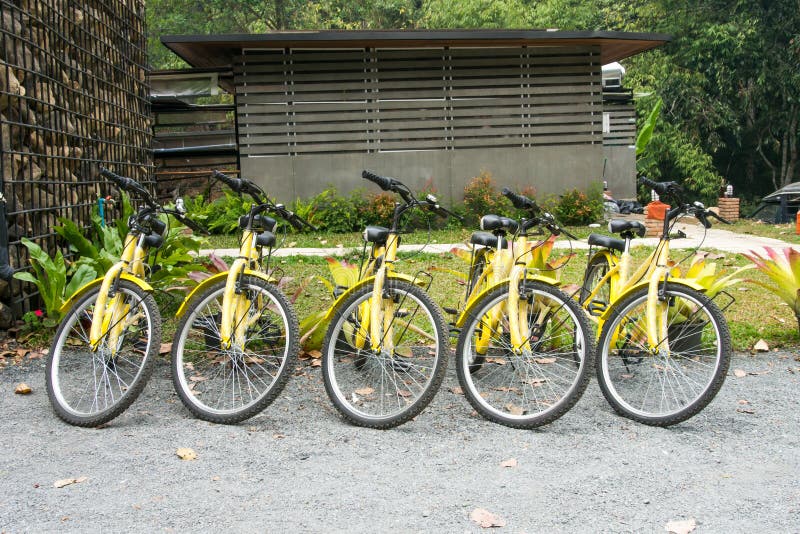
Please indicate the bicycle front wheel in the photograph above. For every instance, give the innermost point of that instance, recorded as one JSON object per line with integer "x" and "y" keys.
{"x": 387, "y": 386}
{"x": 91, "y": 387}
{"x": 681, "y": 375}
{"x": 230, "y": 384}
{"x": 525, "y": 387}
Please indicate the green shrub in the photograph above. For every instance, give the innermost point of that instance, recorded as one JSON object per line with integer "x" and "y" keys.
{"x": 576, "y": 207}
{"x": 379, "y": 208}
{"x": 481, "y": 197}
{"x": 331, "y": 212}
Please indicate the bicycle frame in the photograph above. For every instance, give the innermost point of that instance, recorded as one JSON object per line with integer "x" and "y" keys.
{"x": 506, "y": 268}
{"x": 652, "y": 272}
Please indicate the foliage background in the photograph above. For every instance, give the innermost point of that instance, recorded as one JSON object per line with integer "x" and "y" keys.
{"x": 729, "y": 80}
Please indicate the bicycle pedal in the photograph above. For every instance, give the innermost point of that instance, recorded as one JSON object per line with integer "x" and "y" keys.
{"x": 596, "y": 308}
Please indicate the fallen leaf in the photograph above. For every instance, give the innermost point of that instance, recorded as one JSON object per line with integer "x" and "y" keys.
{"x": 35, "y": 355}
{"x": 746, "y": 410}
{"x": 323, "y": 241}
{"x": 215, "y": 478}
{"x": 544, "y": 361}
{"x": 761, "y": 346}
{"x": 743, "y": 401}
{"x": 165, "y": 348}
{"x": 312, "y": 354}
{"x": 511, "y": 462}
{"x": 457, "y": 390}
{"x": 292, "y": 244}
{"x": 738, "y": 373}
{"x": 486, "y": 519}
{"x": 403, "y": 393}
{"x": 514, "y": 409}
{"x": 681, "y": 527}
{"x": 185, "y": 453}
{"x": 278, "y": 436}
{"x": 316, "y": 363}
{"x": 365, "y": 391}
{"x": 23, "y": 389}
{"x": 67, "y": 481}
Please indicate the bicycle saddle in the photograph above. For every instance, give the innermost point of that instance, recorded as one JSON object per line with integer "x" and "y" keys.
{"x": 605, "y": 241}
{"x": 495, "y": 222}
{"x": 376, "y": 234}
{"x": 485, "y": 239}
{"x": 618, "y": 226}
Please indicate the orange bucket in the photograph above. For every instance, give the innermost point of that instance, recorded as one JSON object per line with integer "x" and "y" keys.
{"x": 797, "y": 223}
{"x": 657, "y": 210}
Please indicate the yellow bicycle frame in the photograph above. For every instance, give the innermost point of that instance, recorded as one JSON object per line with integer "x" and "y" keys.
{"x": 505, "y": 269}
{"x": 650, "y": 273}
{"x": 110, "y": 317}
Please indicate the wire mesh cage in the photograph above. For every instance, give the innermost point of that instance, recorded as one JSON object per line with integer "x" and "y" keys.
{"x": 73, "y": 98}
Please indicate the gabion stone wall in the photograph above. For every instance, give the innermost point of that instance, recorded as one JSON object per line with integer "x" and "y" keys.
{"x": 73, "y": 97}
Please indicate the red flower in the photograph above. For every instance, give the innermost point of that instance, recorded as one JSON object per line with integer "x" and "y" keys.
{"x": 39, "y": 313}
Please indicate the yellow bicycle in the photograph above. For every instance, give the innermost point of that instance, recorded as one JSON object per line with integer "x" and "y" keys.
{"x": 385, "y": 352}
{"x": 104, "y": 348}
{"x": 664, "y": 347}
{"x": 237, "y": 338}
{"x": 525, "y": 347}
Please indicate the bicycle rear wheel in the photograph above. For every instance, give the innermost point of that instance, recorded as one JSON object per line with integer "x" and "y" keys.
{"x": 682, "y": 375}
{"x": 386, "y": 387}
{"x": 598, "y": 267}
{"x": 89, "y": 388}
{"x": 229, "y": 385}
{"x": 518, "y": 387}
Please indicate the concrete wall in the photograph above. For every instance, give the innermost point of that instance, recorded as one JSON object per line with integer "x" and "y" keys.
{"x": 550, "y": 169}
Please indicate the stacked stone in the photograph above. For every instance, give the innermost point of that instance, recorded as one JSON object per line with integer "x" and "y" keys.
{"x": 654, "y": 218}
{"x": 73, "y": 97}
{"x": 729, "y": 209}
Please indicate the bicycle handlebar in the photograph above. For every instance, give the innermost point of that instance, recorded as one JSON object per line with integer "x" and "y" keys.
{"x": 384, "y": 182}
{"x": 662, "y": 188}
{"x": 521, "y": 202}
{"x": 188, "y": 222}
{"x": 130, "y": 185}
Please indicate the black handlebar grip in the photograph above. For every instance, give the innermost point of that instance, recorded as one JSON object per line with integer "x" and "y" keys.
{"x": 520, "y": 202}
{"x": 662, "y": 188}
{"x": 233, "y": 183}
{"x": 128, "y": 184}
{"x": 381, "y": 181}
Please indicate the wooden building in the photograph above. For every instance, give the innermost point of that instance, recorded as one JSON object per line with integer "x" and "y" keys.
{"x": 316, "y": 107}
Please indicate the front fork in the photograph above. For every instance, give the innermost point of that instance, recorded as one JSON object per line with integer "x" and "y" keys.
{"x": 381, "y": 315}
{"x": 656, "y": 316}
{"x": 235, "y": 308}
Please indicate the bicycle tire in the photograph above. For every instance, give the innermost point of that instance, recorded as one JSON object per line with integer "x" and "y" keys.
{"x": 359, "y": 381}
{"x": 512, "y": 389}
{"x": 700, "y": 350}
{"x": 247, "y": 378}
{"x": 595, "y": 271}
{"x": 115, "y": 380}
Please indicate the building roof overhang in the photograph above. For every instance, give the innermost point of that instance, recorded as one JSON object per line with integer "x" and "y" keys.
{"x": 218, "y": 51}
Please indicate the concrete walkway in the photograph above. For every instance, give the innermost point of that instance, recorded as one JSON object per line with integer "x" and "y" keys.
{"x": 713, "y": 238}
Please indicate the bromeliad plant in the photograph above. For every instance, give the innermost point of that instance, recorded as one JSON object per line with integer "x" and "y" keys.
{"x": 313, "y": 327}
{"x": 782, "y": 266}
{"x": 51, "y": 279}
{"x": 703, "y": 271}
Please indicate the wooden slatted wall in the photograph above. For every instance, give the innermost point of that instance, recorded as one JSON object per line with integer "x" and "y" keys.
{"x": 623, "y": 125}
{"x": 295, "y": 102}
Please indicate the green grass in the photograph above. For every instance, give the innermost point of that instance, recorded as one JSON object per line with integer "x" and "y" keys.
{"x": 755, "y": 314}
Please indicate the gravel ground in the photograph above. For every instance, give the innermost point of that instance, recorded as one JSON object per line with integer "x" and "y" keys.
{"x": 298, "y": 467}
